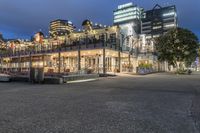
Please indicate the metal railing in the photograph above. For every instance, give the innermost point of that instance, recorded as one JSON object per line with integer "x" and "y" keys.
{"x": 60, "y": 48}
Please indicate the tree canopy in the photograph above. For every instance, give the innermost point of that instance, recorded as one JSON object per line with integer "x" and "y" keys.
{"x": 177, "y": 45}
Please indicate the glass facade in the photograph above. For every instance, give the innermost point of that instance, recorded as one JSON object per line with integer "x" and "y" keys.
{"x": 59, "y": 27}
{"x": 159, "y": 20}
{"x": 127, "y": 12}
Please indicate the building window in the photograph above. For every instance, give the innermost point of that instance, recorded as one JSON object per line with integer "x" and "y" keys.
{"x": 169, "y": 14}
{"x": 169, "y": 25}
{"x": 113, "y": 38}
{"x": 157, "y": 27}
{"x": 102, "y": 38}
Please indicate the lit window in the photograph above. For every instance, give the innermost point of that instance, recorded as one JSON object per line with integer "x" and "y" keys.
{"x": 169, "y": 14}
{"x": 169, "y": 25}
{"x": 124, "y": 19}
{"x": 157, "y": 27}
{"x": 125, "y": 5}
{"x": 124, "y": 11}
{"x": 125, "y": 15}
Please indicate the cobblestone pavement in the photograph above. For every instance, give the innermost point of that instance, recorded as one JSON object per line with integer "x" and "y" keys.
{"x": 157, "y": 103}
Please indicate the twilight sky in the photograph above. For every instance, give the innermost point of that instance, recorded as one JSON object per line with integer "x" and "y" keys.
{"x": 22, "y": 18}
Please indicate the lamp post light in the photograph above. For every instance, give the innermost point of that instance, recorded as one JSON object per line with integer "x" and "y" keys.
{"x": 104, "y": 51}
{"x": 98, "y": 56}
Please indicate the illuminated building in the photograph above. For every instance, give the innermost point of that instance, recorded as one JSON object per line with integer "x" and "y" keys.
{"x": 127, "y": 13}
{"x": 1, "y": 36}
{"x": 86, "y": 51}
{"x": 159, "y": 20}
{"x": 39, "y": 37}
{"x": 2, "y": 42}
{"x": 59, "y": 27}
{"x": 128, "y": 17}
{"x": 96, "y": 48}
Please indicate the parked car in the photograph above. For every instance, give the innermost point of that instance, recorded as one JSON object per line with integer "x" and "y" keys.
{"x": 5, "y": 78}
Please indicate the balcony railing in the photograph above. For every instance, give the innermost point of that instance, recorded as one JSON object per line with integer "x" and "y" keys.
{"x": 75, "y": 46}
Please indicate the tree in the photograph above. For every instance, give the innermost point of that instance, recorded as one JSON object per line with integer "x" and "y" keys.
{"x": 199, "y": 51}
{"x": 178, "y": 47}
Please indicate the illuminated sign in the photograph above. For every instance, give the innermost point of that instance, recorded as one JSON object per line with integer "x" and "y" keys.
{"x": 125, "y": 5}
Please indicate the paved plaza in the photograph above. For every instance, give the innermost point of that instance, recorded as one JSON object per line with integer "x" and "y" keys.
{"x": 157, "y": 103}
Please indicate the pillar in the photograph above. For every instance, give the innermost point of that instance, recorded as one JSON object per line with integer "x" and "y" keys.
{"x": 59, "y": 62}
{"x": 19, "y": 63}
{"x": 79, "y": 60}
{"x": 119, "y": 61}
{"x": 104, "y": 61}
{"x": 30, "y": 62}
{"x": 43, "y": 62}
{"x": 2, "y": 64}
{"x": 129, "y": 62}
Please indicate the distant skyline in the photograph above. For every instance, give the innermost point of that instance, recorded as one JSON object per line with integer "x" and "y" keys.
{"x": 22, "y": 18}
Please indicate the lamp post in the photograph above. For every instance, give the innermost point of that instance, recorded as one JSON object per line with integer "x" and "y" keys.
{"x": 104, "y": 51}
{"x": 79, "y": 56}
{"x": 98, "y": 55}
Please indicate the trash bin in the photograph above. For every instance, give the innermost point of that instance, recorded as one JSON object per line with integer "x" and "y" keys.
{"x": 36, "y": 75}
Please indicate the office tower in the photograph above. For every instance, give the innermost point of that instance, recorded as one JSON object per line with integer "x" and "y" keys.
{"x": 61, "y": 27}
{"x": 159, "y": 20}
{"x": 128, "y": 18}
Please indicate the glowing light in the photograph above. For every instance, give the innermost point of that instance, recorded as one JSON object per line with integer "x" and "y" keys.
{"x": 169, "y": 14}
{"x": 169, "y": 25}
{"x": 125, "y": 15}
{"x": 124, "y": 19}
{"x": 124, "y": 11}
{"x": 125, "y": 5}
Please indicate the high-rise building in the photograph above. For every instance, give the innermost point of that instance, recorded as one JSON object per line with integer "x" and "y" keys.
{"x": 1, "y": 39}
{"x": 159, "y": 20}
{"x": 1, "y": 36}
{"x": 127, "y": 13}
{"x": 128, "y": 17}
{"x": 61, "y": 27}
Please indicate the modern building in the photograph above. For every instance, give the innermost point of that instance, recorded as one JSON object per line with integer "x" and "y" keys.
{"x": 59, "y": 27}
{"x": 128, "y": 18}
{"x": 127, "y": 13}
{"x": 1, "y": 36}
{"x": 2, "y": 41}
{"x": 159, "y": 20}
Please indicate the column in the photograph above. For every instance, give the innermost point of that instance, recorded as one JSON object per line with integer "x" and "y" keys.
{"x": 2, "y": 64}
{"x": 30, "y": 61}
{"x": 19, "y": 63}
{"x": 79, "y": 60}
{"x": 59, "y": 62}
{"x": 104, "y": 61}
{"x": 129, "y": 62}
{"x": 119, "y": 61}
{"x": 43, "y": 62}
{"x": 30, "y": 67}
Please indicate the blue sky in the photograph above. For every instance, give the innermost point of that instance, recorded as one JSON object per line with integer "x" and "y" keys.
{"x": 22, "y": 18}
